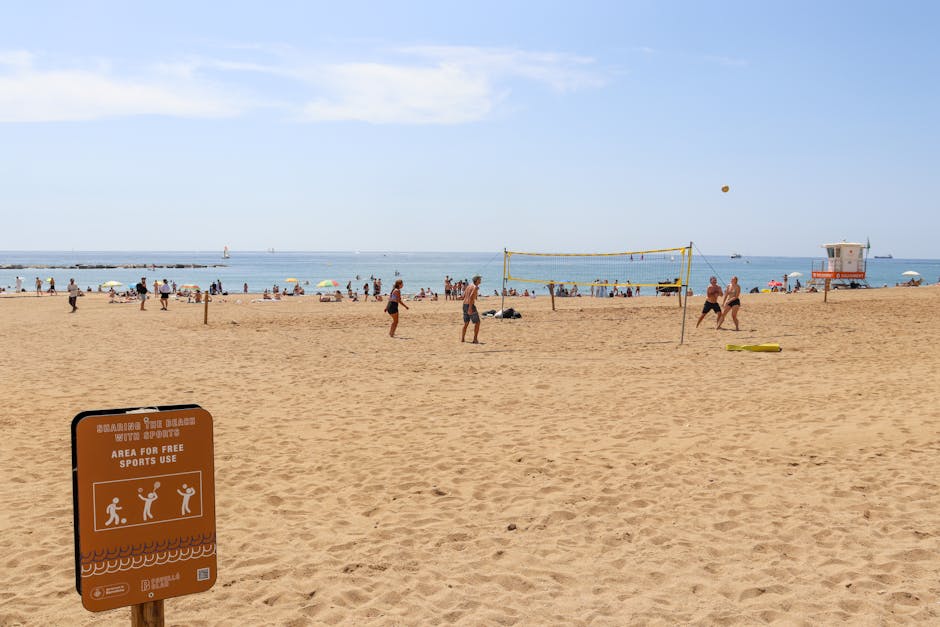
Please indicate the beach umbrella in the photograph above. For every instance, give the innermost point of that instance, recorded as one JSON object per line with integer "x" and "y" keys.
{"x": 290, "y": 280}
{"x": 328, "y": 283}
{"x": 910, "y": 273}
{"x": 774, "y": 283}
{"x": 190, "y": 286}
{"x": 793, "y": 275}
{"x": 112, "y": 284}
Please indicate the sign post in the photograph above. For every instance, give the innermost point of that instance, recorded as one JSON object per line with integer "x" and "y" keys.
{"x": 143, "y": 489}
{"x": 148, "y": 614}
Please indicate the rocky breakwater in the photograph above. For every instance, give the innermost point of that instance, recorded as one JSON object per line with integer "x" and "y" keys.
{"x": 108, "y": 266}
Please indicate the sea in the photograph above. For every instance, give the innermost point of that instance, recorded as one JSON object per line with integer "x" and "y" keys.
{"x": 264, "y": 269}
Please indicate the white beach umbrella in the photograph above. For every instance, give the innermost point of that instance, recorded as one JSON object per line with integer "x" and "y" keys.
{"x": 793, "y": 275}
{"x": 910, "y": 273}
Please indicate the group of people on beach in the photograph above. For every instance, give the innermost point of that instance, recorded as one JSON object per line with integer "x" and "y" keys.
{"x": 454, "y": 289}
{"x": 159, "y": 287}
{"x": 469, "y": 294}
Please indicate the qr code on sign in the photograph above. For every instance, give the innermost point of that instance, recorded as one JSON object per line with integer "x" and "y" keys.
{"x": 202, "y": 574}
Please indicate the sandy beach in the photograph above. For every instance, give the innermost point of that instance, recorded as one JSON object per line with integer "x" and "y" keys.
{"x": 578, "y": 467}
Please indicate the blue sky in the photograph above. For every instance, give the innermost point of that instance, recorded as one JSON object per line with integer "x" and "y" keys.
{"x": 470, "y": 126}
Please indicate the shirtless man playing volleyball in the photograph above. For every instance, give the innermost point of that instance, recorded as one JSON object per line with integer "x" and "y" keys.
{"x": 711, "y": 301}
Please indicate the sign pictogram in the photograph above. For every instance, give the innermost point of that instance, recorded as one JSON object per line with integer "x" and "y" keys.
{"x": 144, "y": 495}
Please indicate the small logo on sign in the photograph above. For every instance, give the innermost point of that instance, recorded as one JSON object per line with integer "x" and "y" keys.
{"x": 112, "y": 590}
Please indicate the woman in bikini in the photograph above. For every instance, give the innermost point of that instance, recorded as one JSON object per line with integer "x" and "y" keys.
{"x": 394, "y": 300}
{"x": 731, "y": 303}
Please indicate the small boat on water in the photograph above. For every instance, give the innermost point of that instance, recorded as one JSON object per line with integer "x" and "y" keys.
{"x": 735, "y": 255}
{"x": 888, "y": 256}
{"x": 225, "y": 254}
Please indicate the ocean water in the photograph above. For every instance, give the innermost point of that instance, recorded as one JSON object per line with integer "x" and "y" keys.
{"x": 262, "y": 270}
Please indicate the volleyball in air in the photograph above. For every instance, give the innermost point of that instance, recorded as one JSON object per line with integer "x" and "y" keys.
{"x": 725, "y": 189}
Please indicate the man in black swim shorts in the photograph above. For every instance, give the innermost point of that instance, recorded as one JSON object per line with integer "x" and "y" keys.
{"x": 470, "y": 313}
{"x": 711, "y": 300}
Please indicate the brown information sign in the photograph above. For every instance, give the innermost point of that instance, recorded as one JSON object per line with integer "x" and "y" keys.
{"x": 144, "y": 495}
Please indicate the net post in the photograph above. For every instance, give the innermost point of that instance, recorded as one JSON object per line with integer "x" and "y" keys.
{"x": 502, "y": 302}
{"x": 205, "y": 313}
{"x": 149, "y": 614}
{"x": 551, "y": 290}
{"x": 688, "y": 274}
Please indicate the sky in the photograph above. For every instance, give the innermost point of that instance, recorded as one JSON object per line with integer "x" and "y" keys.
{"x": 470, "y": 126}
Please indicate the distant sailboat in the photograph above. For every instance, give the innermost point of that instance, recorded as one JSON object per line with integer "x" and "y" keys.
{"x": 736, "y": 256}
{"x": 225, "y": 254}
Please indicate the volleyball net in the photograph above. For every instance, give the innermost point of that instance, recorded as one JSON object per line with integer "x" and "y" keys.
{"x": 662, "y": 271}
{"x": 660, "y": 268}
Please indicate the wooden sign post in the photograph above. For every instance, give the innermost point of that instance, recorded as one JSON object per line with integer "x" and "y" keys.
{"x": 143, "y": 488}
{"x": 148, "y": 614}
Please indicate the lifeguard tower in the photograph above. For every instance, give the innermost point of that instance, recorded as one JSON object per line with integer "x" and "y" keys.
{"x": 844, "y": 266}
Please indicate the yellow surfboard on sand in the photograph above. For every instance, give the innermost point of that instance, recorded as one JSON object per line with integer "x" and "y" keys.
{"x": 758, "y": 348}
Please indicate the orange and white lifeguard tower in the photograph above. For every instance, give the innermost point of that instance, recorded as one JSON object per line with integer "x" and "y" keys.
{"x": 844, "y": 266}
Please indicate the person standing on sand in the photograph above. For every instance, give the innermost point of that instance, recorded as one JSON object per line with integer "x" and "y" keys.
{"x": 73, "y": 295}
{"x": 394, "y": 300}
{"x": 142, "y": 292}
{"x": 52, "y": 289}
{"x": 470, "y": 313}
{"x": 164, "y": 295}
{"x": 731, "y": 302}
{"x": 711, "y": 301}
{"x": 365, "y": 291}
{"x": 38, "y": 286}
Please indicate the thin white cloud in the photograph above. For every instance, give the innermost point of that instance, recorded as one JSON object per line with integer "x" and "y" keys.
{"x": 439, "y": 84}
{"x": 562, "y": 72}
{"x": 16, "y": 58}
{"x": 410, "y": 85}
{"x": 31, "y": 94}
{"x": 378, "y": 93}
